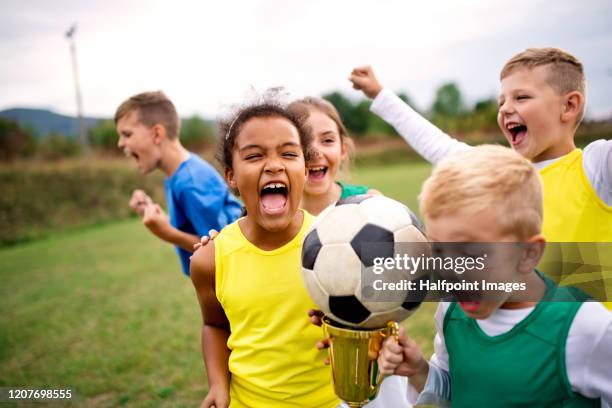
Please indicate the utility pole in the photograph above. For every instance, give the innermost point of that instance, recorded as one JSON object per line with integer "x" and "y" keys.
{"x": 82, "y": 130}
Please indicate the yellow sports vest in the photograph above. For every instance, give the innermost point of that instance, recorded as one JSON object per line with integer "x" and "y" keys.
{"x": 273, "y": 360}
{"x": 573, "y": 212}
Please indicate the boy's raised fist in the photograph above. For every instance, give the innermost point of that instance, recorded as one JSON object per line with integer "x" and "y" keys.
{"x": 364, "y": 80}
{"x": 156, "y": 220}
{"x": 139, "y": 201}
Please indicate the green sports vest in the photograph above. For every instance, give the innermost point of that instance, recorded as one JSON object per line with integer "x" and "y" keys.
{"x": 349, "y": 190}
{"x": 524, "y": 367}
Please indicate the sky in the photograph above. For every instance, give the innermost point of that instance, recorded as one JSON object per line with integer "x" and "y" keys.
{"x": 208, "y": 55}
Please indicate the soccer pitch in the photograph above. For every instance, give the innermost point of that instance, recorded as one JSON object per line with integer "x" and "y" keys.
{"x": 106, "y": 311}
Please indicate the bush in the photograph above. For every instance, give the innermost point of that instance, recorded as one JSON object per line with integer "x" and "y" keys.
{"x": 14, "y": 141}
{"x": 104, "y": 136}
{"x": 55, "y": 147}
{"x": 196, "y": 133}
{"x": 44, "y": 199}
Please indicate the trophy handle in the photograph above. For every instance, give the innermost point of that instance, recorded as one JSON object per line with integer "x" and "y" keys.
{"x": 391, "y": 330}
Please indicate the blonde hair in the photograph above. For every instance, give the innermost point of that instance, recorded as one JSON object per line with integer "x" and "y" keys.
{"x": 487, "y": 177}
{"x": 565, "y": 72}
{"x": 153, "y": 108}
{"x": 303, "y": 106}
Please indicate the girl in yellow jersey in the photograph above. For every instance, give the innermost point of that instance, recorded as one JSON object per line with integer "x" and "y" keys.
{"x": 256, "y": 339}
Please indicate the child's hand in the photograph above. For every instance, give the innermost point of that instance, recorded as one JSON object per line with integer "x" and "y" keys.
{"x": 315, "y": 317}
{"x": 403, "y": 357}
{"x": 217, "y": 397}
{"x": 156, "y": 220}
{"x": 364, "y": 80}
{"x": 212, "y": 234}
{"x": 139, "y": 201}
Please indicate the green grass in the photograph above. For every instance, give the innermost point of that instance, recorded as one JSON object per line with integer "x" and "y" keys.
{"x": 106, "y": 311}
{"x": 400, "y": 181}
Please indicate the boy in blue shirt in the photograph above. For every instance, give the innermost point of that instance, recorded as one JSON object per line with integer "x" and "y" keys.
{"x": 198, "y": 198}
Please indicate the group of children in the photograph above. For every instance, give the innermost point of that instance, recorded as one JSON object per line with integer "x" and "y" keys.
{"x": 283, "y": 161}
{"x": 507, "y": 352}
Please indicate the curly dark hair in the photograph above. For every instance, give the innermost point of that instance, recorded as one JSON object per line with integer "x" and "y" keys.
{"x": 230, "y": 127}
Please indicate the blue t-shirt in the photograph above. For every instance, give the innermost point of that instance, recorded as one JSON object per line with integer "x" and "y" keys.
{"x": 198, "y": 200}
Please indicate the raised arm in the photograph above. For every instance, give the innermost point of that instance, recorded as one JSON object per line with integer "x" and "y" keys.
{"x": 215, "y": 328}
{"x": 425, "y": 138}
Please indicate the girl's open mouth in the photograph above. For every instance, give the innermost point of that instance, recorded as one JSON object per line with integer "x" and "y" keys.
{"x": 273, "y": 198}
{"x": 317, "y": 173}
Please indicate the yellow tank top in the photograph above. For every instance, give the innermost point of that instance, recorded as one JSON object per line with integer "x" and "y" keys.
{"x": 273, "y": 360}
{"x": 573, "y": 212}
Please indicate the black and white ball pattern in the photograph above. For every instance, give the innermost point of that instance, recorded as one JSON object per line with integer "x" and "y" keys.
{"x": 332, "y": 258}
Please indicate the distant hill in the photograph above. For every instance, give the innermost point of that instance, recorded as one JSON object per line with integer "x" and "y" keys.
{"x": 46, "y": 122}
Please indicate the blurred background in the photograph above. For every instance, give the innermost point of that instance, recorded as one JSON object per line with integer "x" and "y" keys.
{"x": 89, "y": 298}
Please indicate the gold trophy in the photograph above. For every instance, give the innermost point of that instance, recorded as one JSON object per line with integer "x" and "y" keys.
{"x": 353, "y": 357}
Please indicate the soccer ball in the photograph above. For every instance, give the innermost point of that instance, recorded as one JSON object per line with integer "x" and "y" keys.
{"x": 334, "y": 256}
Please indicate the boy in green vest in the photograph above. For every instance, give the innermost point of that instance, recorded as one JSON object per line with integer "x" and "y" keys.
{"x": 541, "y": 104}
{"x": 503, "y": 352}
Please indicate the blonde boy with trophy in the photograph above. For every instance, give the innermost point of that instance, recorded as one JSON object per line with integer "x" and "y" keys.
{"x": 554, "y": 349}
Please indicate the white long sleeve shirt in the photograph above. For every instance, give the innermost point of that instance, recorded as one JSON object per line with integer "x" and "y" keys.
{"x": 434, "y": 145}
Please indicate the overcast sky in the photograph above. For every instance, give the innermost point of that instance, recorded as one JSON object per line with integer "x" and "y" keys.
{"x": 207, "y": 55}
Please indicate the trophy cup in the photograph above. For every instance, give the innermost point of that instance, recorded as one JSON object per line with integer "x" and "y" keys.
{"x": 338, "y": 256}
{"x": 353, "y": 358}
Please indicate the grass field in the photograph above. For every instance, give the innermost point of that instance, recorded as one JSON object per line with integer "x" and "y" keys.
{"x": 106, "y": 311}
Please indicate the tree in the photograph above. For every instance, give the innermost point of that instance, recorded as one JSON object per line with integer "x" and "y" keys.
{"x": 448, "y": 109}
{"x": 197, "y": 133}
{"x": 14, "y": 141}
{"x": 449, "y": 102}
{"x": 342, "y": 104}
{"x": 356, "y": 118}
{"x": 104, "y": 136}
{"x": 360, "y": 118}
{"x": 485, "y": 114}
